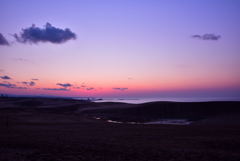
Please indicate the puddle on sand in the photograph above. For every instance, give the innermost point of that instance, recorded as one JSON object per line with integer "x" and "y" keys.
{"x": 162, "y": 121}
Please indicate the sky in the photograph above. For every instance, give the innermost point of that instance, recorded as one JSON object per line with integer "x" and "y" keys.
{"x": 120, "y": 48}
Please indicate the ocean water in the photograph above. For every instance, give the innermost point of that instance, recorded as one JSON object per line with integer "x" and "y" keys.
{"x": 175, "y": 99}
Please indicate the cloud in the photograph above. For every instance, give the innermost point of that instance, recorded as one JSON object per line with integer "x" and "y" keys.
{"x": 7, "y": 85}
{"x": 20, "y": 87}
{"x": 90, "y": 88}
{"x": 77, "y": 87}
{"x": 56, "y": 89}
{"x": 3, "y": 40}
{"x": 50, "y": 34}
{"x": 31, "y": 83}
{"x": 84, "y": 87}
{"x": 207, "y": 37}
{"x": 120, "y": 89}
{"x": 5, "y": 77}
{"x": 10, "y": 85}
{"x": 21, "y": 59}
{"x": 65, "y": 85}
{"x": 35, "y": 79}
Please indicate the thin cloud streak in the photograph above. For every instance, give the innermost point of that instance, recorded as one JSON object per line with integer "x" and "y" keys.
{"x": 207, "y": 37}
{"x": 65, "y": 85}
{"x": 90, "y": 88}
{"x": 56, "y": 89}
{"x": 120, "y": 89}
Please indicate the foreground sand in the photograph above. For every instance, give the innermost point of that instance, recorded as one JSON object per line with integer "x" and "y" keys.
{"x": 65, "y": 130}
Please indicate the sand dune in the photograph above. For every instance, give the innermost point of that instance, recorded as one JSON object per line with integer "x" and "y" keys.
{"x": 38, "y": 129}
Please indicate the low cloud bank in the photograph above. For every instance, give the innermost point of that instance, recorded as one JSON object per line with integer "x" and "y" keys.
{"x": 56, "y": 89}
{"x": 10, "y": 85}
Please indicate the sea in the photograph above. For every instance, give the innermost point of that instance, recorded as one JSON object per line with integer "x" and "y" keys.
{"x": 172, "y": 99}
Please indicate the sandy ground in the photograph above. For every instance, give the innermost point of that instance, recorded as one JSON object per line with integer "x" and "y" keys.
{"x": 67, "y": 130}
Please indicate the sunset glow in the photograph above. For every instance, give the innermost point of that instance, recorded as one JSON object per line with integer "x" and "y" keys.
{"x": 120, "y": 48}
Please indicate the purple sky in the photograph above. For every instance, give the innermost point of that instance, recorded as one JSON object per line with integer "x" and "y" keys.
{"x": 126, "y": 48}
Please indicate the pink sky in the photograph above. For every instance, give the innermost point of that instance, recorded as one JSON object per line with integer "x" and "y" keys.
{"x": 123, "y": 48}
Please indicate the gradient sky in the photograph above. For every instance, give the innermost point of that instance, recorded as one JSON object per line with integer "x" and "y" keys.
{"x": 124, "y": 48}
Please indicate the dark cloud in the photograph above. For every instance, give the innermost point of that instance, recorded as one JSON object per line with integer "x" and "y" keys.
{"x": 65, "y": 85}
{"x": 10, "y": 85}
{"x": 50, "y": 33}
{"x": 31, "y": 83}
{"x": 90, "y": 88}
{"x": 207, "y": 37}
{"x": 7, "y": 85}
{"x": 56, "y": 89}
{"x": 3, "y": 40}
{"x": 5, "y": 77}
{"x": 35, "y": 79}
{"x": 120, "y": 89}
